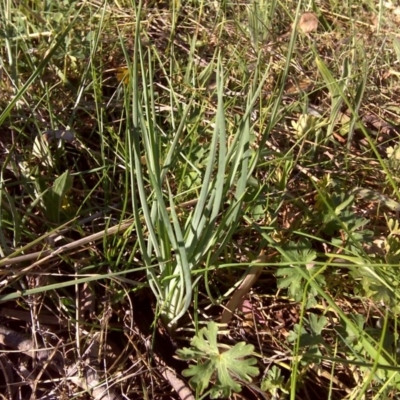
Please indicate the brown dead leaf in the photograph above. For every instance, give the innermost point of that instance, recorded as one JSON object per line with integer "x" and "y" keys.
{"x": 251, "y": 313}
{"x": 296, "y": 86}
{"x": 308, "y": 23}
{"x": 123, "y": 75}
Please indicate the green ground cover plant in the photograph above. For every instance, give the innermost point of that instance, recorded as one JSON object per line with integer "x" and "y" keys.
{"x": 199, "y": 199}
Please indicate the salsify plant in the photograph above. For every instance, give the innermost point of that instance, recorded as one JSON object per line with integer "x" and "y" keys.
{"x": 172, "y": 247}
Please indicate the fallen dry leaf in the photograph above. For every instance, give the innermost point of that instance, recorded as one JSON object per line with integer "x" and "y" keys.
{"x": 123, "y": 74}
{"x": 308, "y": 23}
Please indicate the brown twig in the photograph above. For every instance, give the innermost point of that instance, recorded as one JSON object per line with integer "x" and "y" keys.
{"x": 90, "y": 380}
{"x": 251, "y": 276}
{"x": 180, "y": 386}
{"x": 45, "y": 254}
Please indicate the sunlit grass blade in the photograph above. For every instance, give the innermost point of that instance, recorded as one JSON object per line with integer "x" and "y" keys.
{"x": 39, "y": 69}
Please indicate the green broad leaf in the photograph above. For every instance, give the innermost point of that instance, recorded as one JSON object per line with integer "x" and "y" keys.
{"x": 207, "y": 339}
{"x": 299, "y": 253}
{"x": 234, "y": 361}
{"x": 306, "y": 340}
{"x": 347, "y": 202}
{"x": 192, "y": 180}
{"x": 274, "y": 381}
{"x": 188, "y": 353}
{"x": 226, "y": 383}
{"x": 393, "y": 226}
{"x": 379, "y": 292}
{"x": 201, "y": 374}
{"x": 257, "y": 212}
{"x": 293, "y": 278}
{"x": 393, "y": 250}
{"x": 311, "y": 341}
{"x": 293, "y": 281}
{"x": 317, "y": 324}
{"x": 298, "y": 331}
{"x": 351, "y": 332}
{"x": 224, "y": 369}
{"x": 53, "y": 199}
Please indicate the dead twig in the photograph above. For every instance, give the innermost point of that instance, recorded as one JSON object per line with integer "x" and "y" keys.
{"x": 180, "y": 386}
{"x": 251, "y": 276}
{"x": 90, "y": 381}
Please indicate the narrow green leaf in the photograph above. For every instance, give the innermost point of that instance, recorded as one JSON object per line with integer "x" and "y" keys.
{"x": 39, "y": 69}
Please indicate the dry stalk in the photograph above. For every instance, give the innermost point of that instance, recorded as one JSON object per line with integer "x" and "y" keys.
{"x": 251, "y": 276}
{"x": 52, "y": 358}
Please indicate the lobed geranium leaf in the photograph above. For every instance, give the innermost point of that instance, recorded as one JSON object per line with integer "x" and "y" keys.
{"x": 224, "y": 367}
